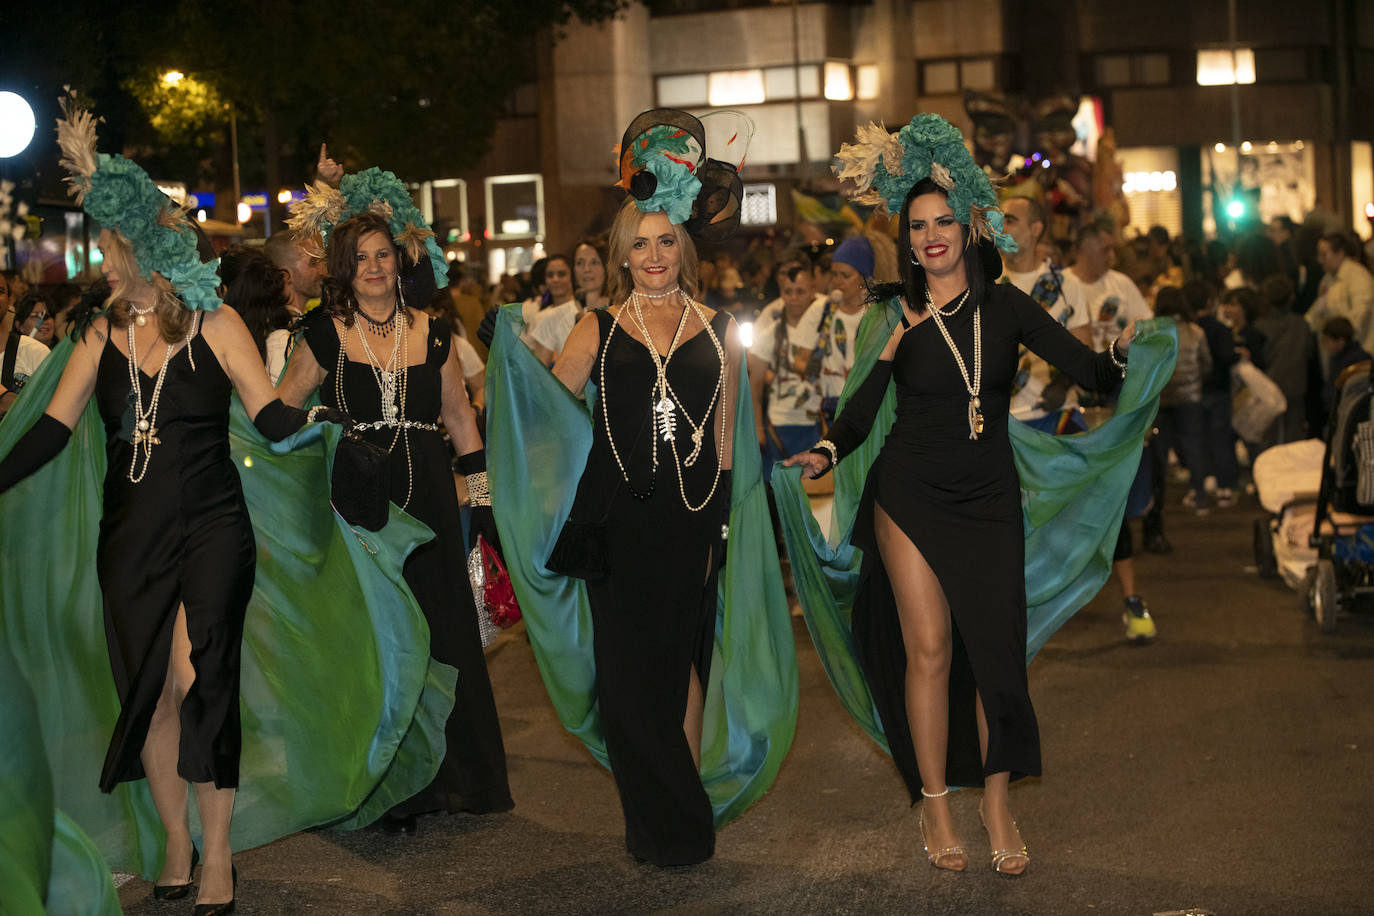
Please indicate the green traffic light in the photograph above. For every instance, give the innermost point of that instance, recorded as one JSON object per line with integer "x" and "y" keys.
{"x": 1235, "y": 209}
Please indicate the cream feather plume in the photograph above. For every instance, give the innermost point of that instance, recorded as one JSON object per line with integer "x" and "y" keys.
{"x": 322, "y": 205}
{"x": 858, "y": 161}
{"x": 412, "y": 239}
{"x": 76, "y": 139}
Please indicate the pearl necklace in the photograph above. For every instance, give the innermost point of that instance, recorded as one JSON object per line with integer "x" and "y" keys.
{"x": 930, "y": 304}
{"x": 145, "y": 421}
{"x": 657, "y": 298}
{"x": 975, "y": 405}
{"x": 664, "y": 401}
{"x": 141, "y": 315}
{"x": 392, "y": 381}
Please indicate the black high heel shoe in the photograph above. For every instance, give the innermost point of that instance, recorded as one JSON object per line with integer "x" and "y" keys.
{"x": 219, "y": 909}
{"x": 177, "y": 891}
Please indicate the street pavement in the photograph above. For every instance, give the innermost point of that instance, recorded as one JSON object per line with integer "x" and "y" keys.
{"x": 1226, "y": 768}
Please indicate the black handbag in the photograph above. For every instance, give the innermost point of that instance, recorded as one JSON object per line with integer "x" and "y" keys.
{"x": 360, "y": 484}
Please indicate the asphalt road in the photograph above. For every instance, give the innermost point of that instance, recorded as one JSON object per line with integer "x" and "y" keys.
{"x": 1227, "y": 768}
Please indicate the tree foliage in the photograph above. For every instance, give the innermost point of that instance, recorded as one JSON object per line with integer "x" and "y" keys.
{"x": 415, "y": 88}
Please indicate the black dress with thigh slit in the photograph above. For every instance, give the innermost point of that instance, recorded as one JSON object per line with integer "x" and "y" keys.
{"x": 472, "y": 776}
{"x": 959, "y": 501}
{"x": 181, "y": 535}
{"x": 654, "y": 612}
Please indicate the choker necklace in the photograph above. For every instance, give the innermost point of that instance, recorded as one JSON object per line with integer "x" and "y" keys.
{"x": 656, "y": 297}
{"x": 975, "y": 405}
{"x": 140, "y": 315}
{"x": 377, "y": 327}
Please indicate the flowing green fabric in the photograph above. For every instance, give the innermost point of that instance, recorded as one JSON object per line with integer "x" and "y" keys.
{"x": 47, "y": 863}
{"x": 343, "y": 711}
{"x": 1073, "y": 496}
{"x": 538, "y": 438}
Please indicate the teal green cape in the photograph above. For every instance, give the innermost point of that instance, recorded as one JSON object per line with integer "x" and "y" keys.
{"x": 538, "y": 438}
{"x": 1073, "y": 495}
{"x": 343, "y": 711}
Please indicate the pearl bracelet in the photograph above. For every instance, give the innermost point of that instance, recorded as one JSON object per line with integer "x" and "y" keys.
{"x": 1119, "y": 360}
{"x": 479, "y": 494}
{"x": 830, "y": 449}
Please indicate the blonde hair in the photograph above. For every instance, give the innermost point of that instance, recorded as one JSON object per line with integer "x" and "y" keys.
{"x": 173, "y": 317}
{"x": 619, "y": 283}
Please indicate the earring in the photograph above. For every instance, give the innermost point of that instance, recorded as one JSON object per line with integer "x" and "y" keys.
{"x": 626, "y": 265}
{"x": 400, "y": 294}
{"x": 914, "y": 260}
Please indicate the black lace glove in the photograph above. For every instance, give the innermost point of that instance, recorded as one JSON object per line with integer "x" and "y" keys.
{"x": 34, "y": 449}
{"x": 482, "y": 522}
{"x": 487, "y": 329}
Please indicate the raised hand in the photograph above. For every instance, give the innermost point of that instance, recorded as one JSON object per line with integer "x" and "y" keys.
{"x": 329, "y": 171}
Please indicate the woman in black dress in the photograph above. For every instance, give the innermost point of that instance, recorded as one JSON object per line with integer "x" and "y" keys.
{"x": 656, "y": 505}
{"x": 395, "y": 371}
{"x": 176, "y": 554}
{"x": 939, "y": 620}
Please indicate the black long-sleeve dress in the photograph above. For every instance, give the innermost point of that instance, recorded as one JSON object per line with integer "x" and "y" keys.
{"x": 958, "y": 500}
{"x": 472, "y": 776}
{"x": 654, "y": 608}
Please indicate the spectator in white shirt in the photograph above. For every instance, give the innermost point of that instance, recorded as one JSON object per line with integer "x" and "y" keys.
{"x": 1347, "y": 288}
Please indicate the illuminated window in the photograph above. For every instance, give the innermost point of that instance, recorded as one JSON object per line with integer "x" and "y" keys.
{"x": 780, "y": 83}
{"x": 940, "y": 77}
{"x": 760, "y": 205}
{"x": 687, "y": 90}
{"x": 868, "y": 82}
{"x": 978, "y": 74}
{"x": 839, "y": 87}
{"x": 1223, "y": 68}
{"x": 735, "y": 87}
{"x": 515, "y": 206}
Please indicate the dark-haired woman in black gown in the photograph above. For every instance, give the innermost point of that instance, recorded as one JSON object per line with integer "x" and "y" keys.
{"x": 393, "y": 369}
{"x": 940, "y": 617}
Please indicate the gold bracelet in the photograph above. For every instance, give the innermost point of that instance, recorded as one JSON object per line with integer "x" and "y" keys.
{"x": 478, "y": 492}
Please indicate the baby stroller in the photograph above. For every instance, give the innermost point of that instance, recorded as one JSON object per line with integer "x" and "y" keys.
{"x": 1287, "y": 480}
{"x": 1342, "y": 578}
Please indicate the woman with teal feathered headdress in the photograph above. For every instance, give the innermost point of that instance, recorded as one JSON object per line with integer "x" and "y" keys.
{"x": 933, "y": 566}
{"x": 678, "y": 674}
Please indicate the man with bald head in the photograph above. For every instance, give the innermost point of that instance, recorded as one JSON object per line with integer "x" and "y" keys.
{"x": 304, "y": 274}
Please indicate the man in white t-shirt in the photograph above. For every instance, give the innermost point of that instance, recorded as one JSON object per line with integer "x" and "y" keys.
{"x": 1039, "y": 393}
{"x": 1113, "y": 299}
{"x": 851, "y": 267}
{"x": 784, "y": 370}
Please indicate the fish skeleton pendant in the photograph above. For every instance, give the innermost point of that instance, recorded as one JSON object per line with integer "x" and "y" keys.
{"x": 667, "y": 421}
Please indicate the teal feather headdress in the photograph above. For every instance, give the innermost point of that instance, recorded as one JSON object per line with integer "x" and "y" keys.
{"x": 324, "y": 207}
{"x": 885, "y": 167}
{"x": 120, "y": 196}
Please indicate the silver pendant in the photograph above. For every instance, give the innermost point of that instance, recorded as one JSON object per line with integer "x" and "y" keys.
{"x": 388, "y": 397}
{"x": 667, "y": 420}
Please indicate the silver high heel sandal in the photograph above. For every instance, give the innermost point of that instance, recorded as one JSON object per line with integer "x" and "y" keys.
{"x": 936, "y": 858}
{"x": 1001, "y": 857}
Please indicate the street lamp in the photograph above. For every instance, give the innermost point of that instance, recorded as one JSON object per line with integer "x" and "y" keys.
{"x": 17, "y": 125}
{"x": 172, "y": 77}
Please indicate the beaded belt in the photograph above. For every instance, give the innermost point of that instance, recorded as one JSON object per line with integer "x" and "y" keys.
{"x": 403, "y": 424}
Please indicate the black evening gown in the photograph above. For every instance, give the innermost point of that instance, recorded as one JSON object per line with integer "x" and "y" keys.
{"x": 472, "y": 776}
{"x": 959, "y": 501}
{"x": 179, "y": 536}
{"x": 654, "y": 613}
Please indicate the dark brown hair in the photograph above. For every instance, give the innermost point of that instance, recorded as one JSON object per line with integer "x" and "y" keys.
{"x": 341, "y": 259}
{"x": 256, "y": 289}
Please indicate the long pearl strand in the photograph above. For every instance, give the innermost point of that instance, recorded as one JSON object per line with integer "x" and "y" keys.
{"x": 392, "y": 384}
{"x": 975, "y": 405}
{"x": 664, "y": 401}
{"x": 145, "y": 421}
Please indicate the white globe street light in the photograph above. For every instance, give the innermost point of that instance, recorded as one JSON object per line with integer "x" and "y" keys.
{"x": 17, "y": 125}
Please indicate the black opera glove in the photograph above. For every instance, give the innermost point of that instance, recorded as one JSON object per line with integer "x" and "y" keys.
{"x": 276, "y": 420}
{"x": 855, "y": 421}
{"x": 34, "y": 449}
{"x": 482, "y": 522}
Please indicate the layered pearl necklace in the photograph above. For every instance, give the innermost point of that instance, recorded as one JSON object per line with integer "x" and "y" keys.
{"x": 145, "y": 421}
{"x": 974, "y": 384}
{"x": 664, "y": 401}
{"x": 392, "y": 383}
